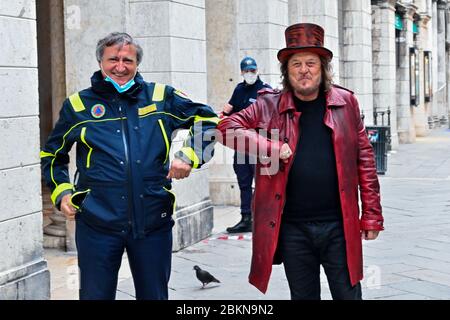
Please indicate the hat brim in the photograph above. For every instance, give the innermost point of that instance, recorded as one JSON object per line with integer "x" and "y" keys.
{"x": 285, "y": 53}
{"x": 252, "y": 68}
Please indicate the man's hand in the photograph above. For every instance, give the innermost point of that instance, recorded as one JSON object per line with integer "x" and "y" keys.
{"x": 227, "y": 108}
{"x": 369, "y": 234}
{"x": 179, "y": 169}
{"x": 285, "y": 153}
{"x": 66, "y": 208}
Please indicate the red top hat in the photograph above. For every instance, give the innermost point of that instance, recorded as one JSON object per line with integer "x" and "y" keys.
{"x": 304, "y": 37}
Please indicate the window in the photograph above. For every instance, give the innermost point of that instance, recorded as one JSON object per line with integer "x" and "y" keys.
{"x": 428, "y": 92}
{"x": 414, "y": 76}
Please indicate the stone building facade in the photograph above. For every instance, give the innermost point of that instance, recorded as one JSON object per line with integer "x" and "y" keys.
{"x": 393, "y": 54}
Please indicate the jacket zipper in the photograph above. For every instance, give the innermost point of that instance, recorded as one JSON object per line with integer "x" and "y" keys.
{"x": 127, "y": 163}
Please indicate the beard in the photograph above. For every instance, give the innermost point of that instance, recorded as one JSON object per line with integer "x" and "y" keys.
{"x": 308, "y": 90}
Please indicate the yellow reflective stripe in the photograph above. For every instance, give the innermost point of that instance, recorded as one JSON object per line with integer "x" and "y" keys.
{"x": 59, "y": 189}
{"x": 64, "y": 141}
{"x": 169, "y": 114}
{"x": 166, "y": 140}
{"x": 76, "y": 194}
{"x": 190, "y": 153}
{"x": 181, "y": 94}
{"x": 146, "y": 110}
{"x": 76, "y": 102}
{"x": 83, "y": 138}
{"x": 216, "y": 120}
{"x": 158, "y": 92}
{"x": 196, "y": 118}
{"x": 44, "y": 154}
{"x": 174, "y": 198}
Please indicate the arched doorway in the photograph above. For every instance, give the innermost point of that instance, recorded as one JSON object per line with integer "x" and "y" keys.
{"x": 52, "y": 92}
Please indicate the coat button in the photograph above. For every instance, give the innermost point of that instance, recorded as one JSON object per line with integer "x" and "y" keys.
{"x": 121, "y": 162}
{"x": 141, "y": 196}
{"x": 118, "y": 130}
{"x": 136, "y": 128}
{"x": 123, "y": 197}
{"x": 138, "y": 161}
{"x": 272, "y": 224}
{"x": 286, "y": 139}
{"x": 278, "y": 196}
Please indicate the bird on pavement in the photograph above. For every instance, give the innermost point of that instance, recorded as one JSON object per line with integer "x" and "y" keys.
{"x": 204, "y": 276}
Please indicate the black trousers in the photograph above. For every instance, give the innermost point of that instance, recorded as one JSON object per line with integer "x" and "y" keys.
{"x": 304, "y": 246}
{"x": 244, "y": 172}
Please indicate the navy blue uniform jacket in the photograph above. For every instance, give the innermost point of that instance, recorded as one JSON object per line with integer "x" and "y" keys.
{"x": 122, "y": 152}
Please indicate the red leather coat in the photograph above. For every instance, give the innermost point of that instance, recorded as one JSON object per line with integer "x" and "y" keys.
{"x": 355, "y": 168}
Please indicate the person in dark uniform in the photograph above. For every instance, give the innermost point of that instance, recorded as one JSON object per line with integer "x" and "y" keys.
{"x": 244, "y": 95}
{"x": 122, "y": 198}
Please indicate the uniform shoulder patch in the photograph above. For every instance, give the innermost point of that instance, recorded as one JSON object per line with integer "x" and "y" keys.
{"x": 98, "y": 111}
{"x": 76, "y": 102}
{"x": 340, "y": 87}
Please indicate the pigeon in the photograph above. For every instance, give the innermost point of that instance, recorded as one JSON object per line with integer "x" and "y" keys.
{"x": 204, "y": 276}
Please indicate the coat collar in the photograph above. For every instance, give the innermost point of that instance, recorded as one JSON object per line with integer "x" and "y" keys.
{"x": 333, "y": 98}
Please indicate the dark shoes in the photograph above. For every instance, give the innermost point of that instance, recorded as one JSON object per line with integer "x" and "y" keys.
{"x": 245, "y": 225}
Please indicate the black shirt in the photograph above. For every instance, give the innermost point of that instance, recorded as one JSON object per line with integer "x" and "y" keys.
{"x": 312, "y": 192}
{"x": 245, "y": 94}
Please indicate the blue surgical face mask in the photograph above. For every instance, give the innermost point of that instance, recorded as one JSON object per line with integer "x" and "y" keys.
{"x": 120, "y": 88}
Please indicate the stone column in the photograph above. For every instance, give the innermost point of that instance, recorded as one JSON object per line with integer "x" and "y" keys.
{"x": 406, "y": 129}
{"x": 325, "y": 14}
{"x": 223, "y": 58}
{"x": 261, "y": 34}
{"x": 441, "y": 57}
{"x": 173, "y": 36}
{"x": 384, "y": 63}
{"x": 23, "y": 270}
{"x": 448, "y": 61}
{"x": 357, "y": 53}
{"x": 434, "y": 110}
{"x": 420, "y": 112}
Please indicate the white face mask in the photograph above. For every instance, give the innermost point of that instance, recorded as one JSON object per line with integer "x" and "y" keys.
{"x": 250, "y": 77}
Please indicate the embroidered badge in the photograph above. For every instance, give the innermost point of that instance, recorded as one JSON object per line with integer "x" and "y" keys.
{"x": 98, "y": 111}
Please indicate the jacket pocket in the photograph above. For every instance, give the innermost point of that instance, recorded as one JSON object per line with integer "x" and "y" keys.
{"x": 83, "y": 139}
{"x": 174, "y": 198}
{"x": 166, "y": 139}
{"x": 158, "y": 208}
{"x": 79, "y": 198}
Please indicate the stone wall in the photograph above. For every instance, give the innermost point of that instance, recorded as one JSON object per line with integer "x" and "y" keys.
{"x": 23, "y": 270}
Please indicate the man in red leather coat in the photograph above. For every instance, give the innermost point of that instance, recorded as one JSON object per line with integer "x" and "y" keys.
{"x": 306, "y": 213}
